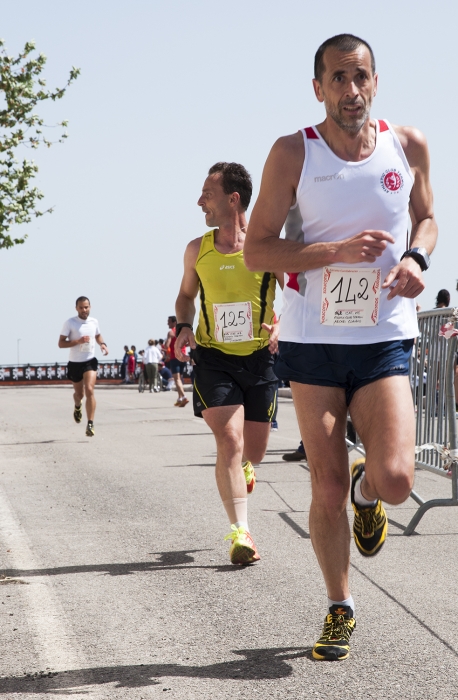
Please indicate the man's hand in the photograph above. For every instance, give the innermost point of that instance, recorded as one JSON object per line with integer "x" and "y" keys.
{"x": 104, "y": 349}
{"x": 83, "y": 339}
{"x": 409, "y": 279}
{"x": 366, "y": 246}
{"x": 273, "y": 331}
{"x": 185, "y": 338}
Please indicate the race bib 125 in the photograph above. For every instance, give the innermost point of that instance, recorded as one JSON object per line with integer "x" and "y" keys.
{"x": 233, "y": 322}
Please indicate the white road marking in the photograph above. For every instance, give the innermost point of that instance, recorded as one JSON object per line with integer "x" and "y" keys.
{"x": 45, "y": 613}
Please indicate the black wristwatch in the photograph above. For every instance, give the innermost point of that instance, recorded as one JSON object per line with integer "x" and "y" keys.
{"x": 179, "y": 326}
{"x": 420, "y": 255}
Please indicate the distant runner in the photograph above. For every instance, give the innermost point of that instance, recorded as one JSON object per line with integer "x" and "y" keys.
{"x": 234, "y": 383}
{"x": 80, "y": 333}
{"x": 176, "y": 366}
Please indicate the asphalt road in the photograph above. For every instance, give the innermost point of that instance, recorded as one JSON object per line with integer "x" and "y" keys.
{"x": 119, "y": 583}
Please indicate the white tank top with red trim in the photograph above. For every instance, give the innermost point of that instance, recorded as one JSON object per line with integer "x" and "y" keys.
{"x": 337, "y": 199}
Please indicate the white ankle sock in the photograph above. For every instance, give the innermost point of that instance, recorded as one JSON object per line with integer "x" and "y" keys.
{"x": 348, "y": 601}
{"x": 359, "y": 498}
{"x": 237, "y": 511}
{"x": 240, "y": 523}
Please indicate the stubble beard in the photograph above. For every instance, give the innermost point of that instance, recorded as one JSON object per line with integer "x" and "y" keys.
{"x": 351, "y": 127}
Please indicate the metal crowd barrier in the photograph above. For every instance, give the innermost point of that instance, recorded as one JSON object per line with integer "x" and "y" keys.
{"x": 432, "y": 374}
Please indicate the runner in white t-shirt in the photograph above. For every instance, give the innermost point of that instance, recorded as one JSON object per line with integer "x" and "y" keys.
{"x": 80, "y": 334}
{"x": 346, "y": 188}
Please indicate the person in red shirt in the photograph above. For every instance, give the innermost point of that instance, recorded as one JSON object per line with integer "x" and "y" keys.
{"x": 176, "y": 367}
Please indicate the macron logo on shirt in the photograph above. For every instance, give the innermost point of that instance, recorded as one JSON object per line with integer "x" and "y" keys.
{"x": 326, "y": 178}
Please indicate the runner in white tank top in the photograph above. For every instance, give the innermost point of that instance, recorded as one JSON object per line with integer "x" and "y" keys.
{"x": 345, "y": 188}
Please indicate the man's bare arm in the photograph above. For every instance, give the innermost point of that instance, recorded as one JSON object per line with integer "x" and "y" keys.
{"x": 185, "y": 307}
{"x": 407, "y": 274}
{"x": 265, "y": 250}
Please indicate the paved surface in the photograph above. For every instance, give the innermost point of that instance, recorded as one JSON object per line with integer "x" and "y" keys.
{"x": 123, "y": 587}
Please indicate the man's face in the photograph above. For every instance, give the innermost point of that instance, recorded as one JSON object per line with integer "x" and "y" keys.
{"x": 171, "y": 323}
{"x": 83, "y": 309}
{"x": 347, "y": 87}
{"x": 215, "y": 203}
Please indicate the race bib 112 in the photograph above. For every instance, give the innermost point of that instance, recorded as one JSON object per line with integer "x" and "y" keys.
{"x": 350, "y": 297}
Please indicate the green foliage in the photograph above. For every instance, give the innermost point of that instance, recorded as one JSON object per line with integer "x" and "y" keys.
{"x": 22, "y": 89}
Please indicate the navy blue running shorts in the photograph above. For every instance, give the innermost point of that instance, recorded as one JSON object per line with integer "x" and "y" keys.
{"x": 176, "y": 367}
{"x": 346, "y": 366}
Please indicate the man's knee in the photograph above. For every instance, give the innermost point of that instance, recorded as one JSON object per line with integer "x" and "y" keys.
{"x": 391, "y": 477}
{"x": 395, "y": 488}
{"x": 330, "y": 493}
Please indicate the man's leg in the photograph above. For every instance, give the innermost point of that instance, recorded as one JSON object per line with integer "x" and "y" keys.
{"x": 154, "y": 374}
{"x": 255, "y": 437}
{"x": 227, "y": 425}
{"x": 179, "y": 386}
{"x": 89, "y": 378}
{"x": 322, "y": 414}
{"x": 383, "y": 416}
{"x": 149, "y": 375}
{"x": 78, "y": 393}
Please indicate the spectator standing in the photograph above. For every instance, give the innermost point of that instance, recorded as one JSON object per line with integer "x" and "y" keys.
{"x": 131, "y": 367}
{"x": 152, "y": 358}
{"x": 124, "y": 364}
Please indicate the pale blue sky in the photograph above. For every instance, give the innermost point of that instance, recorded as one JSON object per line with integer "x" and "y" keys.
{"x": 167, "y": 88}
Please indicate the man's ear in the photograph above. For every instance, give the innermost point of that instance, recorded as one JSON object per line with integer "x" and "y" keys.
{"x": 318, "y": 90}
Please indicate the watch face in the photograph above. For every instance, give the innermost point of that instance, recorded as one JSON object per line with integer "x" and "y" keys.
{"x": 422, "y": 256}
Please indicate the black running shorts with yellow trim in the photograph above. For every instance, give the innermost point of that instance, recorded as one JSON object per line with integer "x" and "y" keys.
{"x": 232, "y": 380}
{"x": 75, "y": 370}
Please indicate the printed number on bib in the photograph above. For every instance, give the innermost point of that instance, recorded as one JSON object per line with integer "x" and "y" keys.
{"x": 233, "y": 322}
{"x": 87, "y": 347}
{"x": 350, "y": 297}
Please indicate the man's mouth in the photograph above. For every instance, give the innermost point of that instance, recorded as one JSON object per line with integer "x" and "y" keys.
{"x": 353, "y": 109}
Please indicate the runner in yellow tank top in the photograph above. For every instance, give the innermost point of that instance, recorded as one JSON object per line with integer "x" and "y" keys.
{"x": 234, "y": 302}
{"x": 234, "y": 383}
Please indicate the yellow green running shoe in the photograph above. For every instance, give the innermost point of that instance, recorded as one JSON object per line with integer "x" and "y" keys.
{"x": 243, "y": 549}
{"x": 78, "y": 413}
{"x": 90, "y": 432}
{"x": 334, "y": 643}
{"x": 250, "y": 476}
{"x": 370, "y": 525}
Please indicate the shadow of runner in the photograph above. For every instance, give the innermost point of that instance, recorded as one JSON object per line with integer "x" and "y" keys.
{"x": 166, "y": 561}
{"x": 258, "y": 664}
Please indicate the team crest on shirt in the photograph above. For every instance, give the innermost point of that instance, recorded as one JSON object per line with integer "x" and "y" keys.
{"x": 392, "y": 181}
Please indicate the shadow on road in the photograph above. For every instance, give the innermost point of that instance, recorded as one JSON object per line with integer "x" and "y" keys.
{"x": 166, "y": 561}
{"x": 257, "y": 664}
{"x": 45, "y": 442}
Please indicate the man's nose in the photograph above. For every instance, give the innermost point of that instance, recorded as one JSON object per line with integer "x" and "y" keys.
{"x": 352, "y": 89}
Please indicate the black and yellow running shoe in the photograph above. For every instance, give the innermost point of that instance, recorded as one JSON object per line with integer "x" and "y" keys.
{"x": 90, "y": 432}
{"x": 370, "y": 525}
{"x": 334, "y": 643}
{"x": 78, "y": 413}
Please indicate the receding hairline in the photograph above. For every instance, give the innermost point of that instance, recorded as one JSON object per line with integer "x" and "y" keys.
{"x": 345, "y": 43}
{"x": 81, "y": 299}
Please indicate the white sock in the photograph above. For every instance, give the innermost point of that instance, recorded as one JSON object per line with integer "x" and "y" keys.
{"x": 240, "y": 523}
{"x": 359, "y": 498}
{"x": 348, "y": 601}
{"x": 237, "y": 511}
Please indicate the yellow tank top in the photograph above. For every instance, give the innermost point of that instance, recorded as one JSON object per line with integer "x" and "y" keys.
{"x": 234, "y": 302}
